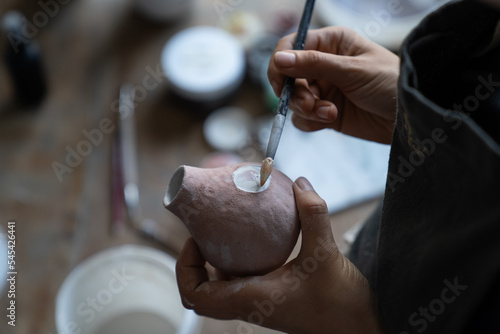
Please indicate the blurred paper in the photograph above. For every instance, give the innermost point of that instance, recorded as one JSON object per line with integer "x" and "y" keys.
{"x": 343, "y": 170}
{"x": 384, "y": 22}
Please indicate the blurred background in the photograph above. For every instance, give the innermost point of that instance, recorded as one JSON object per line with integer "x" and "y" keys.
{"x": 101, "y": 100}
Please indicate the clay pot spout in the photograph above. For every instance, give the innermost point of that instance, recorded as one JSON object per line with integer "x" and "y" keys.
{"x": 239, "y": 227}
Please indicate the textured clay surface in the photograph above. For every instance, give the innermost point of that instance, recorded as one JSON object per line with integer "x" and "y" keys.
{"x": 238, "y": 232}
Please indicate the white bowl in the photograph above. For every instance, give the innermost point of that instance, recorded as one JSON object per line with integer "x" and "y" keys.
{"x": 126, "y": 289}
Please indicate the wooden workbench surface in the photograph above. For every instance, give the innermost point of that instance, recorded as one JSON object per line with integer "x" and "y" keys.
{"x": 90, "y": 47}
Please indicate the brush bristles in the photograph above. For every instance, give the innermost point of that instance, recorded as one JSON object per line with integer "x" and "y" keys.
{"x": 265, "y": 170}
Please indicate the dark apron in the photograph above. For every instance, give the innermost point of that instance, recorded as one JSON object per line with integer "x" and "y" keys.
{"x": 433, "y": 257}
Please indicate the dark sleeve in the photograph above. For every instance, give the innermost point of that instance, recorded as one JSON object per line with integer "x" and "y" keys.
{"x": 437, "y": 267}
{"x": 364, "y": 249}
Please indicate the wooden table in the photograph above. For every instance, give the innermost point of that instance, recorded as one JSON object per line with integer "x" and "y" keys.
{"x": 90, "y": 48}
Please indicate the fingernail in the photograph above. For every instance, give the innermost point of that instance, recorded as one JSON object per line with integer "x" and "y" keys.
{"x": 304, "y": 184}
{"x": 285, "y": 59}
{"x": 323, "y": 112}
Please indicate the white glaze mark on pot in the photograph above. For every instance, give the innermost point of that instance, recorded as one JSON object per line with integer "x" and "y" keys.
{"x": 247, "y": 178}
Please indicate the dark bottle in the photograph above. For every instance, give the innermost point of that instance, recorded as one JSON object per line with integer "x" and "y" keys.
{"x": 23, "y": 60}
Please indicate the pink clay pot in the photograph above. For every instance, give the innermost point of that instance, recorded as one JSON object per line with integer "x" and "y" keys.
{"x": 240, "y": 228}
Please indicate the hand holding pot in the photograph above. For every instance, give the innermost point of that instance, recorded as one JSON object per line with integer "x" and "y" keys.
{"x": 239, "y": 226}
{"x": 320, "y": 291}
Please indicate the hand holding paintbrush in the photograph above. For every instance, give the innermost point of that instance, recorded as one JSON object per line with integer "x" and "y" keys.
{"x": 286, "y": 93}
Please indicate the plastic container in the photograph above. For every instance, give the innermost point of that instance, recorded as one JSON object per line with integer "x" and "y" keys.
{"x": 127, "y": 289}
{"x": 204, "y": 64}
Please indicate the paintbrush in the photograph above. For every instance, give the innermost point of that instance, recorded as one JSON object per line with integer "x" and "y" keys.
{"x": 286, "y": 93}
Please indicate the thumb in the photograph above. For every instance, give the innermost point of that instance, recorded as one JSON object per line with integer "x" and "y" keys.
{"x": 311, "y": 64}
{"x": 314, "y": 219}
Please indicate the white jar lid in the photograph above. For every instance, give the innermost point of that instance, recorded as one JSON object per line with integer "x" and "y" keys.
{"x": 203, "y": 63}
{"x": 227, "y": 129}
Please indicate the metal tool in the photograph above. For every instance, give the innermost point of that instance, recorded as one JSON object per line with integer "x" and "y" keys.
{"x": 128, "y": 169}
{"x": 286, "y": 93}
